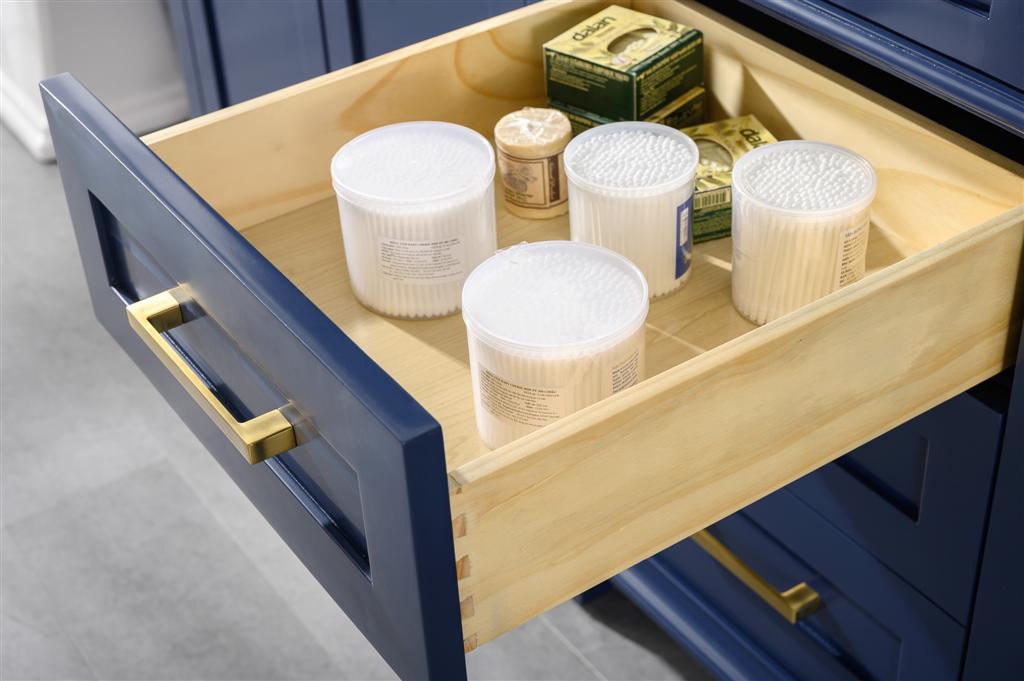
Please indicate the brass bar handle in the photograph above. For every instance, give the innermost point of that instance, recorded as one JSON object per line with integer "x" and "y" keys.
{"x": 794, "y": 603}
{"x": 257, "y": 439}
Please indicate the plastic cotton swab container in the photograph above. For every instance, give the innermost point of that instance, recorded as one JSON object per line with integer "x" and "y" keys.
{"x": 631, "y": 190}
{"x": 800, "y": 222}
{"x": 553, "y": 327}
{"x": 417, "y": 215}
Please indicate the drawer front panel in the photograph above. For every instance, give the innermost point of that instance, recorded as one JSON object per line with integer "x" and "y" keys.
{"x": 918, "y": 496}
{"x": 366, "y": 482}
{"x": 870, "y": 624}
{"x": 964, "y": 51}
{"x": 984, "y": 34}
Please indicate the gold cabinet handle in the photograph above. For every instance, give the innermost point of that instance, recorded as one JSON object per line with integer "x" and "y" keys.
{"x": 257, "y": 439}
{"x": 794, "y": 603}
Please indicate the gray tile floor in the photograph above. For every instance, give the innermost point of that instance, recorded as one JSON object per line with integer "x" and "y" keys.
{"x": 128, "y": 554}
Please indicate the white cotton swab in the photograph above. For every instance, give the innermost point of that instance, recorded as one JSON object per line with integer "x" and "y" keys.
{"x": 417, "y": 215}
{"x": 800, "y": 219}
{"x": 553, "y": 327}
{"x": 629, "y": 188}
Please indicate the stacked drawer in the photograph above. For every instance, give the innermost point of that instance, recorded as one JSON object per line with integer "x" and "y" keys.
{"x": 889, "y": 537}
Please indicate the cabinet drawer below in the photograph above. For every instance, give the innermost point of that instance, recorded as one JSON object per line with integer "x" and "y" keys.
{"x": 870, "y": 624}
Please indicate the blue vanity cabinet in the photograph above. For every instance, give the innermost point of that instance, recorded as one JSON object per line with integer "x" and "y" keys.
{"x": 213, "y": 257}
{"x": 234, "y": 50}
{"x": 992, "y": 650}
{"x": 982, "y": 34}
{"x": 870, "y": 624}
{"x": 918, "y": 496}
{"x": 966, "y": 52}
{"x": 895, "y": 594}
{"x": 386, "y": 25}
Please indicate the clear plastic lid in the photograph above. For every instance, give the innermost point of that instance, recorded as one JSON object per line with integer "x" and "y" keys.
{"x": 805, "y": 178}
{"x": 631, "y": 157}
{"x": 554, "y": 297}
{"x": 413, "y": 163}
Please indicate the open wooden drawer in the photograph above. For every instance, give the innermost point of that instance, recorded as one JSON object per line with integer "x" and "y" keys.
{"x": 429, "y": 541}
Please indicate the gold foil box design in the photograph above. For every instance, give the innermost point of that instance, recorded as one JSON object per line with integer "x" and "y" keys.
{"x": 623, "y": 65}
{"x": 618, "y": 38}
{"x": 721, "y": 143}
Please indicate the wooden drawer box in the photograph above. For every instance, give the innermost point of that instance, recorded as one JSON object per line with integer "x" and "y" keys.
{"x": 429, "y": 541}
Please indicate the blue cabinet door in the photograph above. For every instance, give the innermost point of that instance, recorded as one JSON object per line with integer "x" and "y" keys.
{"x": 387, "y": 25}
{"x": 918, "y": 496}
{"x": 983, "y": 34}
{"x": 233, "y": 50}
{"x": 870, "y": 624}
{"x": 994, "y": 650}
{"x": 362, "y": 497}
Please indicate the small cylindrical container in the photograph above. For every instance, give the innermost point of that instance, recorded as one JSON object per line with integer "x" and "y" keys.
{"x": 417, "y": 215}
{"x": 631, "y": 190}
{"x": 553, "y": 327}
{"x": 800, "y": 222}
{"x": 530, "y": 143}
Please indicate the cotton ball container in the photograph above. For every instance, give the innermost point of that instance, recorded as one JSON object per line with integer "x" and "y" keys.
{"x": 553, "y": 327}
{"x": 800, "y": 223}
{"x": 417, "y": 215}
{"x": 631, "y": 190}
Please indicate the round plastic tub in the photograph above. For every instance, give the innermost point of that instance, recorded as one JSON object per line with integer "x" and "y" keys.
{"x": 417, "y": 215}
{"x": 553, "y": 327}
{"x": 800, "y": 222}
{"x": 631, "y": 190}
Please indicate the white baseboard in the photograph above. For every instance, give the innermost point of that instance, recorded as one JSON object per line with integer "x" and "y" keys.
{"x": 25, "y": 119}
{"x": 143, "y": 112}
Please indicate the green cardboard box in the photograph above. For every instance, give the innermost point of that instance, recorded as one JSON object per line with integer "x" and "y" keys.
{"x": 623, "y": 65}
{"x": 721, "y": 144}
{"x": 685, "y": 111}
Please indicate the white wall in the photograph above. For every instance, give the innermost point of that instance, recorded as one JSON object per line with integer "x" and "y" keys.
{"x": 122, "y": 50}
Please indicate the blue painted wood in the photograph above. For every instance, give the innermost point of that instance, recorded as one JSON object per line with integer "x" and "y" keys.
{"x": 695, "y": 622}
{"x": 342, "y": 35}
{"x": 994, "y": 650}
{"x": 985, "y": 97}
{"x": 983, "y": 34}
{"x": 931, "y": 643}
{"x": 894, "y": 496}
{"x": 390, "y": 24}
{"x": 872, "y": 625}
{"x": 593, "y": 593}
{"x": 267, "y": 46}
{"x": 140, "y": 228}
{"x": 193, "y": 38}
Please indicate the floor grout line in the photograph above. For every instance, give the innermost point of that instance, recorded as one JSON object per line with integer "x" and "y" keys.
{"x": 573, "y": 649}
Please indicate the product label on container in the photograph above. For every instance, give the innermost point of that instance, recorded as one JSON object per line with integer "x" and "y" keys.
{"x": 533, "y": 182}
{"x": 421, "y": 262}
{"x": 520, "y": 404}
{"x": 684, "y": 236}
{"x": 853, "y": 247}
{"x": 626, "y": 373}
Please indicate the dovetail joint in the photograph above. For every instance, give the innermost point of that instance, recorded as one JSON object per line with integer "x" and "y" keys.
{"x": 467, "y": 608}
{"x": 469, "y": 643}
{"x": 462, "y": 566}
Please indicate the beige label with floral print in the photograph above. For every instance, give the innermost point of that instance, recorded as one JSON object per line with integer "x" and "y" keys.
{"x": 533, "y": 182}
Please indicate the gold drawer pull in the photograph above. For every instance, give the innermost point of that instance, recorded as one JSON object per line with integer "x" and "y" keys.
{"x": 794, "y": 603}
{"x": 257, "y": 439}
